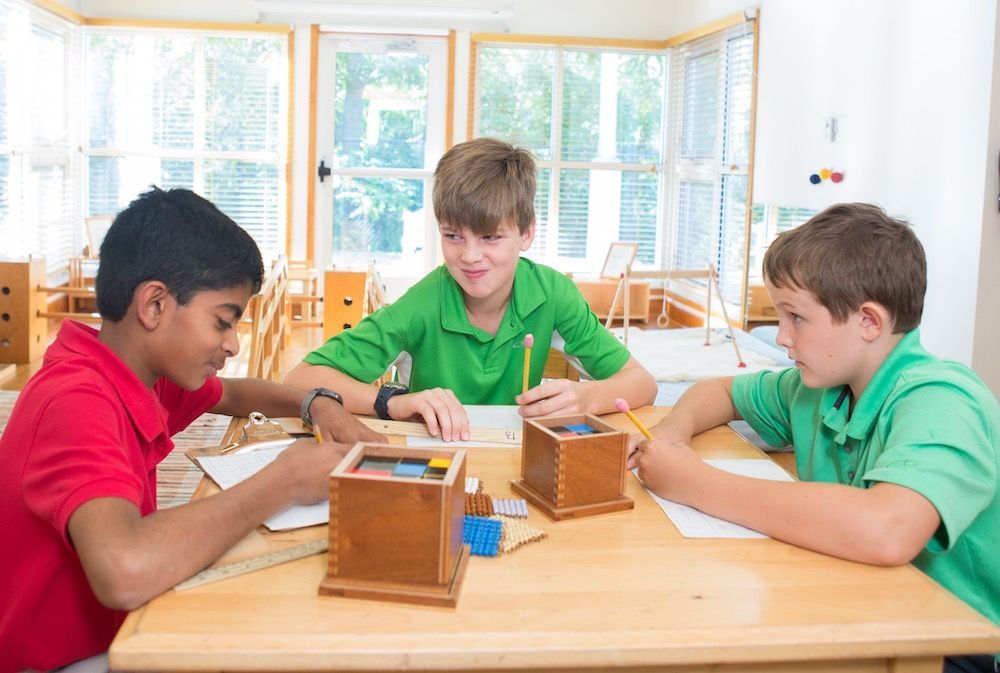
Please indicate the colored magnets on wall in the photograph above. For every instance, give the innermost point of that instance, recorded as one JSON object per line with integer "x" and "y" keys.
{"x": 826, "y": 174}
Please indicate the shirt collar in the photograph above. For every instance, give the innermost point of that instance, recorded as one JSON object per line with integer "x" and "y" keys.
{"x": 868, "y": 407}
{"x": 80, "y": 342}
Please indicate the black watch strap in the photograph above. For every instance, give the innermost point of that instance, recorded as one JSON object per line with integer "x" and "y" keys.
{"x": 385, "y": 393}
{"x": 312, "y": 395}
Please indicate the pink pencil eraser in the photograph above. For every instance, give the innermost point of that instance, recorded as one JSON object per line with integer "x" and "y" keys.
{"x": 621, "y": 405}
{"x": 529, "y": 340}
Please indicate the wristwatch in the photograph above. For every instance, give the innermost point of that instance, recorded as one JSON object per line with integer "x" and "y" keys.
{"x": 312, "y": 395}
{"x": 384, "y": 394}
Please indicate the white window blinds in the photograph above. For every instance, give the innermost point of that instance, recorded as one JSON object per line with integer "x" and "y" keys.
{"x": 709, "y": 141}
{"x": 205, "y": 111}
{"x": 593, "y": 118}
{"x": 37, "y": 138}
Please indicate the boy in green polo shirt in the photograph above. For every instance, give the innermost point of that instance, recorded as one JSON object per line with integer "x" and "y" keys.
{"x": 463, "y": 323}
{"x": 897, "y": 449}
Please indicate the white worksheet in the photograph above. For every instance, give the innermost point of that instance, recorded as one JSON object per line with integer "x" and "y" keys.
{"x": 694, "y": 523}
{"x": 230, "y": 469}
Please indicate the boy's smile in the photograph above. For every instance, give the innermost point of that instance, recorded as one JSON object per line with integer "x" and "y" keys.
{"x": 484, "y": 264}
{"x": 199, "y": 336}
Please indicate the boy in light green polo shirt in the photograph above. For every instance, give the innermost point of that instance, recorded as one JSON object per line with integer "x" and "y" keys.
{"x": 464, "y": 324}
{"x": 897, "y": 449}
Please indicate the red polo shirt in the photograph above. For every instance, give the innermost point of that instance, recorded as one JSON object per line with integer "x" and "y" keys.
{"x": 84, "y": 427}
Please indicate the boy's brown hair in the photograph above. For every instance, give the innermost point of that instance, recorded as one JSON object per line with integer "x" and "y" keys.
{"x": 849, "y": 254}
{"x": 483, "y": 183}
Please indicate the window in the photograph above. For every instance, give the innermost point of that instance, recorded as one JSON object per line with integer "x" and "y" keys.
{"x": 711, "y": 91}
{"x": 593, "y": 119}
{"x": 201, "y": 110}
{"x": 37, "y": 159}
{"x": 767, "y": 221}
{"x": 381, "y": 111}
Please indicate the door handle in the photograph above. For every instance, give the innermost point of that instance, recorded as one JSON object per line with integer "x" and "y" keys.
{"x": 324, "y": 170}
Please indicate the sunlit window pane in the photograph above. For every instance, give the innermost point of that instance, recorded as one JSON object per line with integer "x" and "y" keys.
{"x": 514, "y": 96}
{"x": 381, "y": 109}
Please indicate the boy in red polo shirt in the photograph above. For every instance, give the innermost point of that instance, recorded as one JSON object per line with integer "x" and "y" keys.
{"x": 85, "y": 543}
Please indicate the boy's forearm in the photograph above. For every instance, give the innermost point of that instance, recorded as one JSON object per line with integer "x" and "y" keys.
{"x": 359, "y": 397}
{"x": 631, "y": 383}
{"x": 703, "y": 406}
{"x": 242, "y": 396}
{"x": 141, "y": 557}
{"x": 883, "y": 525}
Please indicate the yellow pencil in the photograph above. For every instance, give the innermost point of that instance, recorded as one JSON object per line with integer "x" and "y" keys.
{"x": 317, "y": 435}
{"x": 529, "y": 340}
{"x": 622, "y": 406}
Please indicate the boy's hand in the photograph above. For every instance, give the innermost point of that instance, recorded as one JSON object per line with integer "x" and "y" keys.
{"x": 338, "y": 425}
{"x": 663, "y": 466}
{"x": 306, "y": 468}
{"x": 440, "y": 410}
{"x": 560, "y": 396}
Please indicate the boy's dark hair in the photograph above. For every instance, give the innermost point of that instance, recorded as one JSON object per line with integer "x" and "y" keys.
{"x": 849, "y": 254}
{"x": 176, "y": 237}
{"x": 483, "y": 183}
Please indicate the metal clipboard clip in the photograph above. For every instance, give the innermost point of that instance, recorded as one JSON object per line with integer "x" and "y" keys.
{"x": 259, "y": 428}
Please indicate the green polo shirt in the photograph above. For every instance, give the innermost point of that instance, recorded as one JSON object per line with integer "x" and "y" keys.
{"x": 924, "y": 423}
{"x": 431, "y": 324}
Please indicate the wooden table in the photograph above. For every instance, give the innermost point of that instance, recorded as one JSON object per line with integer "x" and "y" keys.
{"x": 618, "y": 591}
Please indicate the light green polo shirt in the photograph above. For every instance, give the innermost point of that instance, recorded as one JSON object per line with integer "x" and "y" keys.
{"x": 924, "y": 423}
{"x": 430, "y": 323}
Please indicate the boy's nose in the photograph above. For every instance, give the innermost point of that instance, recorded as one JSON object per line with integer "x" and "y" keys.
{"x": 471, "y": 253}
{"x": 231, "y": 344}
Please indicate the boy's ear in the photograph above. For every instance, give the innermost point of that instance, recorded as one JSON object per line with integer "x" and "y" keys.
{"x": 150, "y": 300}
{"x": 875, "y": 320}
{"x": 528, "y": 237}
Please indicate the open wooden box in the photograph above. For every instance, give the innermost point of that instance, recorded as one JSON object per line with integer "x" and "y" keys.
{"x": 395, "y": 535}
{"x": 571, "y": 476}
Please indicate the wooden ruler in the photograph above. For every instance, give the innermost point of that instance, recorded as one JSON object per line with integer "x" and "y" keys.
{"x": 413, "y": 429}
{"x": 227, "y": 570}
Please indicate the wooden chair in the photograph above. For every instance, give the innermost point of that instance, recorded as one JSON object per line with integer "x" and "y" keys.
{"x": 303, "y": 294}
{"x": 268, "y": 323}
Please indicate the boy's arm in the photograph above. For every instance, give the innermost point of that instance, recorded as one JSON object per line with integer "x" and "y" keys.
{"x": 631, "y": 383}
{"x": 440, "y": 410}
{"x": 886, "y": 524}
{"x": 129, "y": 559}
{"x": 241, "y": 396}
{"x": 703, "y": 406}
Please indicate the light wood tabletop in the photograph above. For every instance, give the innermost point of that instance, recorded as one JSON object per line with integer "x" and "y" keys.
{"x": 619, "y": 591}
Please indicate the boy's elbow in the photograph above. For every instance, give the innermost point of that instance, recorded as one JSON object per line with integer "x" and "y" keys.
{"x": 888, "y": 544}
{"x": 122, "y": 584}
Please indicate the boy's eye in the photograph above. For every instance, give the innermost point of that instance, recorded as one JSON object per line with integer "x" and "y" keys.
{"x": 224, "y": 325}
{"x": 796, "y": 317}
{"x": 451, "y": 237}
{"x": 492, "y": 237}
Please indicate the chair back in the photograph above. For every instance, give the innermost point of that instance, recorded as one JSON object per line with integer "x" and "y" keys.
{"x": 268, "y": 323}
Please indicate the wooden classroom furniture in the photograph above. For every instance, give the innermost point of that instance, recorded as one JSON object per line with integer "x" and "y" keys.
{"x": 303, "y": 293}
{"x": 23, "y": 333}
{"x": 621, "y": 591}
{"x": 344, "y": 298}
{"x": 600, "y": 294}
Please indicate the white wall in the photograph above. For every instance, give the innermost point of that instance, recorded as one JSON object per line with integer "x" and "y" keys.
{"x": 911, "y": 84}
{"x": 985, "y": 355}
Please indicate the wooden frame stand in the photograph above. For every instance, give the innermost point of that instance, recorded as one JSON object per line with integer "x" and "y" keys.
{"x": 568, "y": 476}
{"x": 23, "y": 332}
{"x": 393, "y": 536}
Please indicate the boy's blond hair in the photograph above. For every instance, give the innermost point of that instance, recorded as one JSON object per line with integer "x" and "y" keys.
{"x": 483, "y": 183}
{"x": 849, "y": 254}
